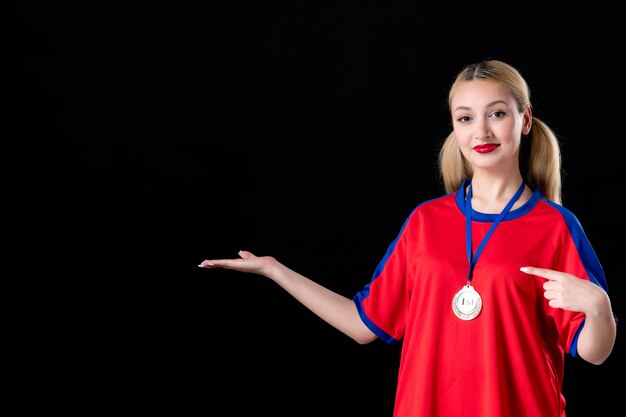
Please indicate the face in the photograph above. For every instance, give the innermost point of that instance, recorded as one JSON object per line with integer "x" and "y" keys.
{"x": 487, "y": 125}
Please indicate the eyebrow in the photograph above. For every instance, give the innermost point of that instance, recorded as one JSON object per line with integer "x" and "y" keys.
{"x": 493, "y": 103}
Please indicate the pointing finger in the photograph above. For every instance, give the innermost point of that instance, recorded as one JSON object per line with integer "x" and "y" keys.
{"x": 541, "y": 272}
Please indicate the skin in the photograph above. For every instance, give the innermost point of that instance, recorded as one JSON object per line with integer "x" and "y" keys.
{"x": 483, "y": 112}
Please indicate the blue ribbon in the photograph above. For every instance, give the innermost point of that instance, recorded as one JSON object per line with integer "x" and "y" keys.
{"x": 468, "y": 227}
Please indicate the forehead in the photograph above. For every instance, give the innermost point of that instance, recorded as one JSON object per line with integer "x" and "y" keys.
{"x": 480, "y": 93}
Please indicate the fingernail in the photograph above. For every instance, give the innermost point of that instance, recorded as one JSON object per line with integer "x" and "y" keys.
{"x": 524, "y": 269}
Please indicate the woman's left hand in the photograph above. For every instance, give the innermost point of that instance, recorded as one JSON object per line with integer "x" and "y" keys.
{"x": 567, "y": 291}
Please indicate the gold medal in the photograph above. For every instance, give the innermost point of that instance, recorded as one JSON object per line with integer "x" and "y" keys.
{"x": 467, "y": 303}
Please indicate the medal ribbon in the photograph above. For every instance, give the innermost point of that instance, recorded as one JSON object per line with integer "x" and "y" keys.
{"x": 468, "y": 227}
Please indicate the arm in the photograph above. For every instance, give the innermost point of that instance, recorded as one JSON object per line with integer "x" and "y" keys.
{"x": 566, "y": 291}
{"x": 337, "y": 310}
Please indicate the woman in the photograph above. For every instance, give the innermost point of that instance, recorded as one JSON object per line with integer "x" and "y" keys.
{"x": 489, "y": 286}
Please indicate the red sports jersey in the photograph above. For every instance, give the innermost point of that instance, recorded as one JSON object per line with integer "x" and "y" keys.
{"x": 509, "y": 360}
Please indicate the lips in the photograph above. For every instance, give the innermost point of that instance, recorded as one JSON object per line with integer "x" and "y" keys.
{"x": 486, "y": 148}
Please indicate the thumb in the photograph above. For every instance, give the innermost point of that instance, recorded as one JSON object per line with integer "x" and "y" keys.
{"x": 245, "y": 254}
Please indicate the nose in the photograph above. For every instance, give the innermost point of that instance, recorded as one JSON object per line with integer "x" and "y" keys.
{"x": 482, "y": 130}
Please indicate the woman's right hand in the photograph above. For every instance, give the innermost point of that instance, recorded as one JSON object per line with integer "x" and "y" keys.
{"x": 262, "y": 265}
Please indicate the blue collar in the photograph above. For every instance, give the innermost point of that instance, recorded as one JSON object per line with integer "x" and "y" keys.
{"x": 490, "y": 217}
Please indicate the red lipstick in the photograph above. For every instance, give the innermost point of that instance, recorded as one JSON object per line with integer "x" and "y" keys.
{"x": 486, "y": 148}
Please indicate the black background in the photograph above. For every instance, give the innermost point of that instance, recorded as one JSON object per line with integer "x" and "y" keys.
{"x": 160, "y": 136}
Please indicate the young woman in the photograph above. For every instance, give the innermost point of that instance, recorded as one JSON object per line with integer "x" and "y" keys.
{"x": 487, "y": 287}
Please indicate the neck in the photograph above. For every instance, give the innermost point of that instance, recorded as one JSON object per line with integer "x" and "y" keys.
{"x": 491, "y": 194}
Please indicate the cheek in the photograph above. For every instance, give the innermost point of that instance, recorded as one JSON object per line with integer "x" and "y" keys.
{"x": 511, "y": 129}
{"x": 510, "y": 136}
{"x": 462, "y": 138}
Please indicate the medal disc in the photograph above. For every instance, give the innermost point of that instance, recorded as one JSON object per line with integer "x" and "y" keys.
{"x": 467, "y": 303}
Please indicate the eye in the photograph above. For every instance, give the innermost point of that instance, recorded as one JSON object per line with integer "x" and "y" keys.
{"x": 463, "y": 119}
{"x": 498, "y": 114}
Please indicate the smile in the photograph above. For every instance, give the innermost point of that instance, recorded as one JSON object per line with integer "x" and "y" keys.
{"x": 489, "y": 147}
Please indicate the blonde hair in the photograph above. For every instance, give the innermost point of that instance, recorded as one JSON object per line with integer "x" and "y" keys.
{"x": 543, "y": 165}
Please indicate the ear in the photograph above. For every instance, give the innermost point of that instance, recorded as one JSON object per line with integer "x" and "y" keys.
{"x": 527, "y": 119}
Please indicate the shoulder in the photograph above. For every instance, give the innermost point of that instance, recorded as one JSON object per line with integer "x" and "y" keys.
{"x": 441, "y": 203}
{"x": 441, "y": 207}
{"x": 566, "y": 214}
